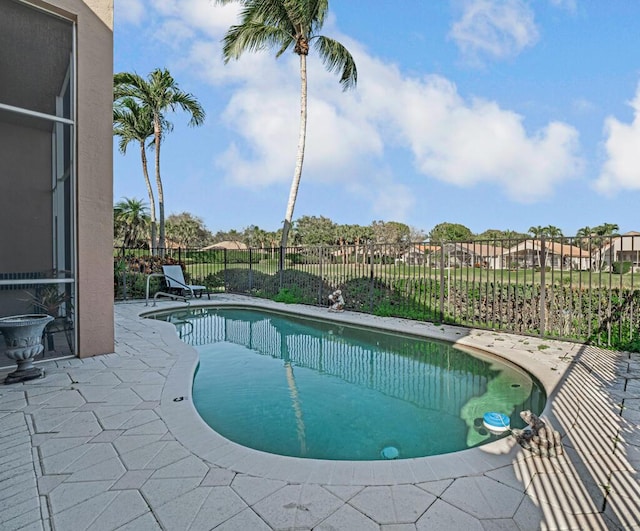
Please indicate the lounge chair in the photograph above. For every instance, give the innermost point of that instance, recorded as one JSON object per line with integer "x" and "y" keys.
{"x": 176, "y": 283}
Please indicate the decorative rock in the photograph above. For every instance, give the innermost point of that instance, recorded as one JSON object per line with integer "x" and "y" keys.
{"x": 336, "y": 301}
{"x": 537, "y": 437}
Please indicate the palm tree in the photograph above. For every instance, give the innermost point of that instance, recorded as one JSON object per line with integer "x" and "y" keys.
{"x": 285, "y": 24}
{"x": 603, "y": 235}
{"x": 552, "y": 231}
{"x": 131, "y": 221}
{"x": 537, "y": 232}
{"x": 607, "y": 229}
{"x": 158, "y": 94}
{"x": 132, "y": 122}
{"x": 583, "y": 237}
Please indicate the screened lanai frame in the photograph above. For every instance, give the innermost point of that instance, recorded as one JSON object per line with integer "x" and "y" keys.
{"x": 38, "y": 261}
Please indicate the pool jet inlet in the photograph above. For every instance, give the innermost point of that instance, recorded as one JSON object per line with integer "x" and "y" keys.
{"x": 390, "y": 452}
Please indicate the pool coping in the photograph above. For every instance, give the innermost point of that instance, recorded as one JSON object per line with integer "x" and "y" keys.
{"x": 178, "y": 411}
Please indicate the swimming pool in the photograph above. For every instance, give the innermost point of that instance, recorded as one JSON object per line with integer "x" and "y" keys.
{"x": 308, "y": 388}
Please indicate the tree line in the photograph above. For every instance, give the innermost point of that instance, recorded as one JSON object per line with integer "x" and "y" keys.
{"x": 132, "y": 229}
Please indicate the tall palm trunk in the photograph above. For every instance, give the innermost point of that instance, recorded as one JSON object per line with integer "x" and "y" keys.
{"x": 158, "y": 138}
{"x": 152, "y": 201}
{"x": 295, "y": 184}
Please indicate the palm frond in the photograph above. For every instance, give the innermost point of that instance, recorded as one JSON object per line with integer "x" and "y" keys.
{"x": 336, "y": 58}
{"x": 189, "y": 104}
{"x": 131, "y": 122}
{"x": 253, "y": 37}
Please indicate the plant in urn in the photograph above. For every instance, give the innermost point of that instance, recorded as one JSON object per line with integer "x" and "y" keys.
{"x": 23, "y": 339}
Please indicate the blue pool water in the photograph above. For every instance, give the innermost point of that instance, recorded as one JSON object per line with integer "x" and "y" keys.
{"x": 315, "y": 389}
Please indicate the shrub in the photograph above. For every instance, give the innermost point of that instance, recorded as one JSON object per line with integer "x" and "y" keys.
{"x": 241, "y": 280}
{"x": 289, "y": 296}
{"x": 306, "y": 285}
{"x": 621, "y": 268}
{"x": 130, "y": 275}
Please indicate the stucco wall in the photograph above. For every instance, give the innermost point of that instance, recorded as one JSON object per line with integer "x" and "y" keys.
{"x": 95, "y": 173}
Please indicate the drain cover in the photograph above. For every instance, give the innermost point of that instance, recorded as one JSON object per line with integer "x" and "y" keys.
{"x": 390, "y": 452}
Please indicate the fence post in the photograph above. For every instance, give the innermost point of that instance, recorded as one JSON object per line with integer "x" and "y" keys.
{"x": 281, "y": 266}
{"x": 442, "y": 281}
{"x": 124, "y": 275}
{"x": 320, "y": 275}
{"x": 371, "y": 276}
{"x": 250, "y": 272}
{"x": 543, "y": 288}
{"x": 179, "y": 255}
{"x": 224, "y": 262}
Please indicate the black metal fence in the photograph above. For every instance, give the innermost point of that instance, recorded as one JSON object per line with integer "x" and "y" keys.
{"x": 584, "y": 289}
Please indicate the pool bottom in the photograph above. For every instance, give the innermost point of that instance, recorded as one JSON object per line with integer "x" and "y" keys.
{"x": 282, "y": 413}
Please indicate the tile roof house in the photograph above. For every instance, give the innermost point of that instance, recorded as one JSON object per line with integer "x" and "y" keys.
{"x": 624, "y": 248}
{"x": 536, "y": 253}
{"x": 480, "y": 254}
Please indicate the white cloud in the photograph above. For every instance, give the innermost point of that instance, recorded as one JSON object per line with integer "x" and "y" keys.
{"x": 202, "y": 15}
{"x": 463, "y": 142}
{"x": 468, "y": 143}
{"x": 569, "y": 5}
{"x": 388, "y": 199}
{"x": 129, "y": 11}
{"x": 495, "y": 29}
{"x": 621, "y": 171}
{"x": 583, "y": 106}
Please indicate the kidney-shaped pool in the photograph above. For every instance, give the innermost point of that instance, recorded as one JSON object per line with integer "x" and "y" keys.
{"x": 317, "y": 389}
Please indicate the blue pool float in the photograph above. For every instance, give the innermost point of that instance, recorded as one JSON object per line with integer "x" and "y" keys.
{"x": 496, "y": 422}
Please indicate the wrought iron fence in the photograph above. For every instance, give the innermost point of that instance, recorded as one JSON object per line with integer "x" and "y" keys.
{"x": 584, "y": 289}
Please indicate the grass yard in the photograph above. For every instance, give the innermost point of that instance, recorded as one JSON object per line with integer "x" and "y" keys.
{"x": 390, "y": 272}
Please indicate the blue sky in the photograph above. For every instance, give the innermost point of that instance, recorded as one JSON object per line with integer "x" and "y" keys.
{"x": 497, "y": 114}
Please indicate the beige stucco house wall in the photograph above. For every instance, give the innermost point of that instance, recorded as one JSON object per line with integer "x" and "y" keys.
{"x": 93, "y": 184}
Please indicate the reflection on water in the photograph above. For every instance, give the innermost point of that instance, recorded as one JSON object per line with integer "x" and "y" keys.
{"x": 423, "y": 396}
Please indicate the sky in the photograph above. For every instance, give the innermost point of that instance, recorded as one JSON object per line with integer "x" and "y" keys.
{"x": 495, "y": 114}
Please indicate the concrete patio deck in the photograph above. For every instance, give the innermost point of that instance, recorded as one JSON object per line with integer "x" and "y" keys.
{"x": 101, "y": 443}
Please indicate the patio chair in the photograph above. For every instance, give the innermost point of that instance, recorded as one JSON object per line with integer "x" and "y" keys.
{"x": 176, "y": 283}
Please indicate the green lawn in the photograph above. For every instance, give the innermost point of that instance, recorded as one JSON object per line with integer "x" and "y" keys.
{"x": 389, "y": 272}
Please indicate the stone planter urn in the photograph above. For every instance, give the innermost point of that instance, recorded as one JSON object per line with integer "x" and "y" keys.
{"x": 23, "y": 339}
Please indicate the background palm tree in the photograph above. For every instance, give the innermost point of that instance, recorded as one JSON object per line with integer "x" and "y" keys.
{"x": 133, "y": 123}
{"x": 595, "y": 237}
{"x": 537, "y": 231}
{"x": 552, "y": 231}
{"x": 286, "y": 24}
{"x": 131, "y": 220}
{"x": 607, "y": 229}
{"x": 583, "y": 237}
{"x": 158, "y": 94}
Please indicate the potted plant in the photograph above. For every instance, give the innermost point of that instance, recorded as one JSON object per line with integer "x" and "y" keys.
{"x": 51, "y": 300}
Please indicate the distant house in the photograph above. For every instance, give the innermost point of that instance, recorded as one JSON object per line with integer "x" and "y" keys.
{"x": 624, "y": 248}
{"x": 419, "y": 254}
{"x": 471, "y": 254}
{"x": 530, "y": 253}
{"x": 229, "y": 245}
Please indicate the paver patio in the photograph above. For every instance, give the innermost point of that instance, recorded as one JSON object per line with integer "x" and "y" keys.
{"x": 101, "y": 443}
